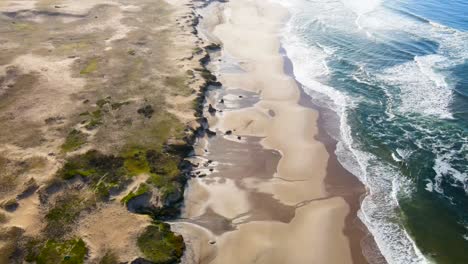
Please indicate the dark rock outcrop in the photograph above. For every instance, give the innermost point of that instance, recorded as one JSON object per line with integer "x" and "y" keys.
{"x": 211, "y": 109}
{"x": 210, "y": 133}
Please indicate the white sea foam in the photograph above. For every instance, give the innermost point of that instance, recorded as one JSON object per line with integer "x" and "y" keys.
{"x": 437, "y": 25}
{"x": 429, "y": 186}
{"x": 361, "y": 7}
{"x": 401, "y": 154}
{"x": 313, "y": 66}
{"x": 404, "y": 153}
{"x": 396, "y": 158}
{"x": 444, "y": 170}
{"x": 423, "y": 90}
{"x": 384, "y": 182}
{"x": 420, "y": 86}
{"x": 378, "y": 208}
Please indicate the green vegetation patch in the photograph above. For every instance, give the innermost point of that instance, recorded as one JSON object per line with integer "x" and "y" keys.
{"x": 162, "y": 167}
{"x": 118, "y": 105}
{"x": 163, "y": 164}
{"x": 177, "y": 85}
{"x": 61, "y": 217}
{"x": 90, "y": 67}
{"x": 136, "y": 162}
{"x": 74, "y": 140}
{"x": 163, "y": 126}
{"x": 166, "y": 186}
{"x": 93, "y": 165}
{"x": 160, "y": 245}
{"x": 102, "y": 102}
{"x": 142, "y": 189}
{"x": 102, "y": 172}
{"x": 165, "y": 173}
{"x": 52, "y": 251}
{"x": 95, "y": 119}
{"x": 108, "y": 101}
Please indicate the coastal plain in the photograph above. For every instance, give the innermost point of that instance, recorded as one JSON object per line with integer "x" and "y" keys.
{"x": 98, "y": 103}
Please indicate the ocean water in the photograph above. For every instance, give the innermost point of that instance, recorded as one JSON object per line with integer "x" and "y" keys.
{"x": 396, "y": 74}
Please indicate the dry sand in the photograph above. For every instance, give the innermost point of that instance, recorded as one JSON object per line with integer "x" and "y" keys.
{"x": 112, "y": 228}
{"x": 265, "y": 200}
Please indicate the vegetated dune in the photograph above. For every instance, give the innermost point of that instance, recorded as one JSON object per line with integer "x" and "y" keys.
{"x": 97, "y": 112}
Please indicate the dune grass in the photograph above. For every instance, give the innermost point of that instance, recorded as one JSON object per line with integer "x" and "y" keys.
{"x": 74, "y": 141}
{"x": 160, "y": 245}
{"x": 90, "y": 67}
{"x": 71, "y": 251}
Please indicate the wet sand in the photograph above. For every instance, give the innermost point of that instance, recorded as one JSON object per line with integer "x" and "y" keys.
{"x": 266, "y": 189}
{"x": 341, "y": 182}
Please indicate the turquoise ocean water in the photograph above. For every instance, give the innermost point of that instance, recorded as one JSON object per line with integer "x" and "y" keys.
{"x": 396, "y": 75}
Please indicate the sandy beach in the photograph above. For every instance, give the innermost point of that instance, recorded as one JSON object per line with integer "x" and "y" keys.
{"x": 269, "y": 192}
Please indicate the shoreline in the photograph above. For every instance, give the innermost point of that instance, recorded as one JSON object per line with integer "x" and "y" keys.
{"x": 363, "y": 246}
{"x": 201, "y": 211}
